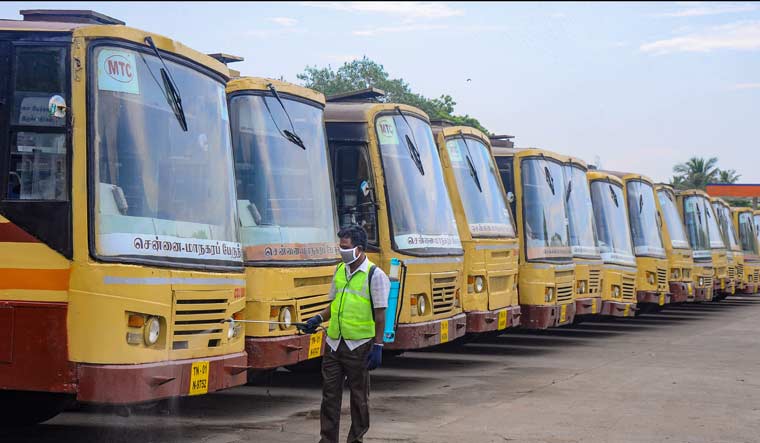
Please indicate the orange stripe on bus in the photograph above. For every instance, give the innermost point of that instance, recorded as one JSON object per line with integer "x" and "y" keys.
{"x": 42, "y": 279}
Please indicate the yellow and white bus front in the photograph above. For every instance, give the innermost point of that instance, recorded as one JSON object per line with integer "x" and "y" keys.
{"x": 485, "y": 227}
{"x": 680, "y": 261}
{"x": 285, "y": 202}
{"x": 583, "y": 240}
{"x": 692, "y": 206}
{"x": 388, "y": 179}
{"x": 614, "y": 234}
{"x": 734, "y": 255}
{"x": 719, "y": 250}
{"x": 651, "y": 261}
{"x": 746, "y": 224}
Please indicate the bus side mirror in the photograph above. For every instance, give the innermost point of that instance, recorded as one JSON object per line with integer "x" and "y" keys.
{"x": 365, "y": 188}
{"x": 57, "y": 106}
{"x": 511, "y": 196}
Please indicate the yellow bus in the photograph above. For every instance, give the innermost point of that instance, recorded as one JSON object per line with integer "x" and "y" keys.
{"x": 583, "y": 240}
{"x": 651, "y": 261}
{"x": 746, "y": 224}
{"x": 614, "y": 235}
{"x": 734, "y": 254}
{"x": 677, "y": 248}
{"x": 535, "y": 185}
{"x": 692, "y": 205}
{"x": 486, "y": 228}
{"x": 121, "y": 269}
{"x": 286, "y": 206}
{"x": 388, "y": 179}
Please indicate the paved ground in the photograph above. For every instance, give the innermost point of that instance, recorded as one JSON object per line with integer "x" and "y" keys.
{"x": 686, "y": 374}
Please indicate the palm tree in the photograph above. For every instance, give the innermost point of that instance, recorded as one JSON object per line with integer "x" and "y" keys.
{"x": 727, "y": 176}
{"x": 697, "y": 172}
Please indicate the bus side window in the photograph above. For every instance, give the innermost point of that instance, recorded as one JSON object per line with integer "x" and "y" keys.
{"x": 37, "y": 163}
{"x": 351, "y": 169}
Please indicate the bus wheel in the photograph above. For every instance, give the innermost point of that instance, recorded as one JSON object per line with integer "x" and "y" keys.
{"x": 25, "y": 408}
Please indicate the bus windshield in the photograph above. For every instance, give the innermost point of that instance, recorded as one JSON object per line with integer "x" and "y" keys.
{"x": 484, "y": 202}
{"x": 285, "y": 198}
{"x": 580, "y": 213}
{"x": 612, "y": 227}
{"x": 161, "y": 193}
{"x": 748, "y": 232}
{"x": 716, "y": 238}
{"x": 544, "y": 213}
{"x": 642, "y": 212}
{"x": 678, "y": 239}
{"x": 696, "y": 226}
{"x": 756, "y": 228}
{"x": 420, "y": 210}
{"x": 726, "y": 227}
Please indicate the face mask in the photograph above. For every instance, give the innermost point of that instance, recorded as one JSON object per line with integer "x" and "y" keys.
{"x": 349, "y": 255}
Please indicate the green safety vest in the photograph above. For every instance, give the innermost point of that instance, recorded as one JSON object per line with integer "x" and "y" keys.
{"x": 351, "y": 315}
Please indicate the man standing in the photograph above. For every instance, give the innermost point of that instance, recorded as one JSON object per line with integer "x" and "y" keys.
{"x": 359, "y": 295}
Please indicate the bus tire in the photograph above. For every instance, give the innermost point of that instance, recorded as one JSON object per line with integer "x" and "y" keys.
{"x": 27, "y": 408}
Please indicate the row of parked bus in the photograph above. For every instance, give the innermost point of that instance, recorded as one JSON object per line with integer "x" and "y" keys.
{"x": 165, "y": 223}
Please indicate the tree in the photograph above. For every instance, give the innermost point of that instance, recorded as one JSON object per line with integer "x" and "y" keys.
{"x": 696, "y": 173}
{"x": 365, "y": 73}
{"x": 728, "y": 176}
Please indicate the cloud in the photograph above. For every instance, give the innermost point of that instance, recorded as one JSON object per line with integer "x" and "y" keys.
{"x": 740, "y": 36}
{"x": 747, "y": 86}
{"x": 266, "y": 33}
{"x": 701, "y": 9}
{"x": 341, "y": 58}
{"x": 284, "y": 21}
{"x": 408, "y": 11}
{"x": 396, "y": 29}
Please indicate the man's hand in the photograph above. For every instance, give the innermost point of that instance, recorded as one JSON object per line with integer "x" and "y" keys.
{"x": 312, "y": 324}
{"x": 375, "y": 356}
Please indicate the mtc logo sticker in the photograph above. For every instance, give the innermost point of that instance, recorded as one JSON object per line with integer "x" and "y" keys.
{"x": 386, "y": 131}
{"x": 117, "y": 71}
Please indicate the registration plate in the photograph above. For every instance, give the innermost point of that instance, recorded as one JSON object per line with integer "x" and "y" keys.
{"x": 722, "y": 284}
{"x": 199, "y": 378}
{"x": 563, "y": 313}
{"x": 502, "y": 320}
{"x": 626, "y": 310}
{"x": 315, "y": 344}
{"x": 444, "y": 331}
{"x": 593, "y": 306}
{"x": 662, "y": 299}
{"x": 690, "y": 289}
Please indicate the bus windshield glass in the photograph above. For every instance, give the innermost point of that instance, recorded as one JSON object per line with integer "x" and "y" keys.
{"x": 544, "y": 212}
{"x": 696, "y": 226}
{"x": 678, "y": 239}
{"x": 748, "y": 232}
{"x": 580, "y": 213}
{"x": 420, "y": 210}
{"x": 161, "y": 193}
{"x": 726, "y": 226}
{"x": 484, "y": 202}
{"x": 285, "y": 197}
{"x": 642, "y": 212}
{"x": 716, "y": 238}
{"x": 756, "y": 229}
{"x": 612, "y": 227}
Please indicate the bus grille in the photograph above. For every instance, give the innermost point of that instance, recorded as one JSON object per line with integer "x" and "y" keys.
{"x": 708, "y": 281}
{"x": 756, "y": 276}
{"x": 444, "y": 293}
{"x": 197, "y": 321}
{"x": 564, "y": 291}
{"x": 308, "y": 307}
{"x": 732, "y": 272}
{"x": 662, "y": 277}
{"x": 593, "y": 280}
{"x": 739, "y": 271}
{"x": 629, "y": 285}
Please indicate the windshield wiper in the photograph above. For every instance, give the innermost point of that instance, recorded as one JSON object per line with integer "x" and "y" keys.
{"x": 641, "y": 203}
{"x": 289, "y": 135}
{"x": 412, "y": 145}
{"x": 170, "y": 87}
{"x": 569, "y": 190}
{"x": 549, "y": 179}
{"x": 473, "y": 172}
{"x": 614, "y": 196}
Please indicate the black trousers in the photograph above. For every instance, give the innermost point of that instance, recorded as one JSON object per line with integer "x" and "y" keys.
{"x": 336, "y": 367}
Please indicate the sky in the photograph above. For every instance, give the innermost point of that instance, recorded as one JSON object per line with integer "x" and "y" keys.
{"x": 635, "y": 87}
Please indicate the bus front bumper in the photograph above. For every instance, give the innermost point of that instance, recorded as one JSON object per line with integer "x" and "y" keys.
{"x": 588, "y": 306}
{"x": 273, "y": 352}
{"x": 542, "y": 317}
{"x": 618, "y": 309}
{"x": 749, "y": 288}
{"x": 125, "y": 384}
{"x": 653, "y": 297}
{"x": 430, "y": 333}
{"x": 680, "y": 291}
{"x": 488, "y": 321}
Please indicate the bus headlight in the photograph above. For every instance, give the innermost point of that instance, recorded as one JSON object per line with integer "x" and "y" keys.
{"x": 582, "y": 286}
{"x": 701, "y": 281}
{"x": 286, "y": 318}
{"x": 231, "y": 328}
{"x": 479, "y": 284}
{"x": 549, "y": 294}
{"x": 675, "y": 274}
{"x": 615, "y": 291}
{"x": 650, "y": 277}
{"x": 151, "y": 331}
{"x": 421, "y": 305}
{"x": 686, "y": 273}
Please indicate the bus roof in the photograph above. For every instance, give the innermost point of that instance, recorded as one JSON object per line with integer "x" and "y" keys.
{"x": 450, "y": 131}
{"x": 604, "y": 176}
{"x": 262, "y": 84}
{"x": 688, "y": 192}
{"x": 625, "y": 176}
{"x": 363, "y": 112}
{"x": 528, "y": 152}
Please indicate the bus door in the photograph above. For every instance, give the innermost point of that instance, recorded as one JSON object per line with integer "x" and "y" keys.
{"x": 354, "y": 189}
